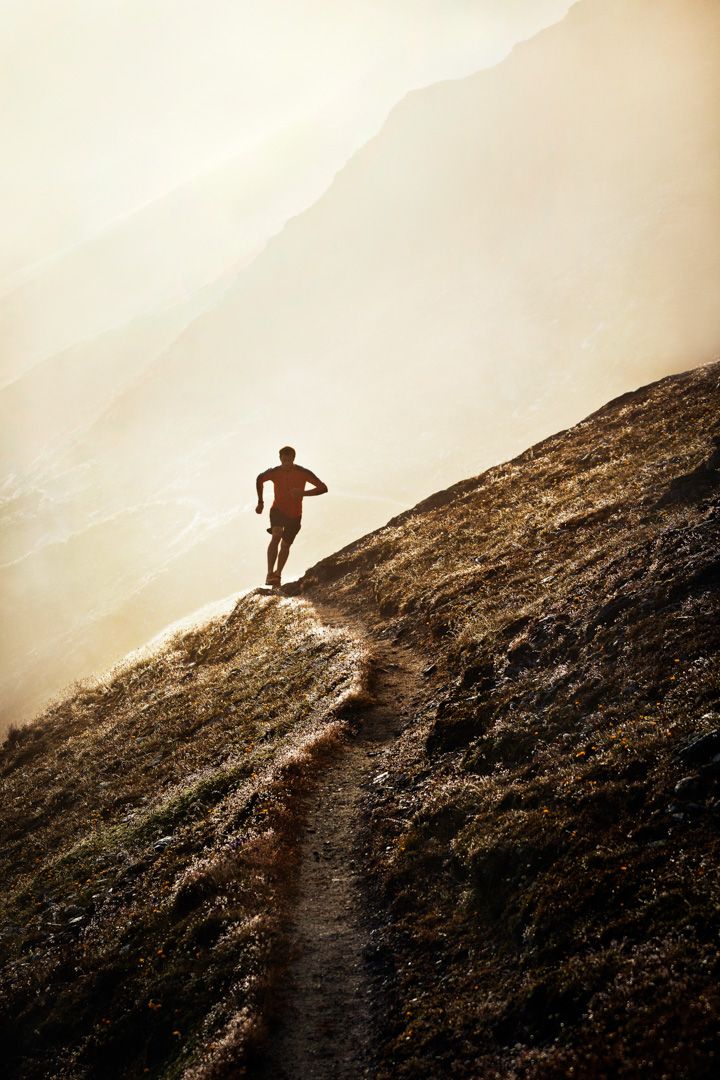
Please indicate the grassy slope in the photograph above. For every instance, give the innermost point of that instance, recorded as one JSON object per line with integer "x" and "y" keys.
{"x": 149, "y": 824}
{"x": 551, "y": 900}
{"x": 553, "y": 893}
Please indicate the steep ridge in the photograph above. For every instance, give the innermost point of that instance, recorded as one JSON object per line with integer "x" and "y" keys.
{"x": 535, "y": 845}
{"x": 544, "y": 852}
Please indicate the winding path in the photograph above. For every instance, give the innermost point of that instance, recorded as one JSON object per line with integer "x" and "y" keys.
{"x": 324, "y": 1029}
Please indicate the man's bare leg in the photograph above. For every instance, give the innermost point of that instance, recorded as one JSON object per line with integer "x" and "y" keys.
{"x": 272, "y": 551}
{"x": 282, "y": 555}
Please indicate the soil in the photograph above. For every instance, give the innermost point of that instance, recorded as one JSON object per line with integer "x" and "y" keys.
{"x": 324, "y": 1022}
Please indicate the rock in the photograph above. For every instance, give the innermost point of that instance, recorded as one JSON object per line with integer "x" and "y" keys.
{"x": 429, "y": 671}
{"x": 711, "y": 771}
{"x": 481, "y": 676}
{"x": 609, "y": 612}
{"x": 635, "y": 770}
{"x": 511, "y": 800}
{"x": 457, "y": 723}
{"x": 702, "y": 749}
{"x": 522, "y": 656}
{"x": 694, "y": 485}
{"x": 688, "y": 787}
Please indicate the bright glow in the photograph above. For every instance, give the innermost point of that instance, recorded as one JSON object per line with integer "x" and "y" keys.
{"x": 207, "y": 259}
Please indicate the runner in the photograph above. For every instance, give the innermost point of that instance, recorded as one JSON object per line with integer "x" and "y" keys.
{"x": 289, "y": 481}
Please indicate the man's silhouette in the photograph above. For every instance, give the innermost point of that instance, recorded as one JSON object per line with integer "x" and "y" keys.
{"x": 289, "y": 481}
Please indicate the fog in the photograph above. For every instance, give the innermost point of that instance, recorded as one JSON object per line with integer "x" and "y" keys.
{"x": 150, "y": 148}
{"x": 406, "y": 298}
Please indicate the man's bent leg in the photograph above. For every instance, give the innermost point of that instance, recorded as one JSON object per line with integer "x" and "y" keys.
{"x": 273, "y": 548}
{"x": 282, "y": 555}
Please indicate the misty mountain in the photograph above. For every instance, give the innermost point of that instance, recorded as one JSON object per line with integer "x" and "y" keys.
{"x": 511, "y": 250}
{"x": 527, "y": 239}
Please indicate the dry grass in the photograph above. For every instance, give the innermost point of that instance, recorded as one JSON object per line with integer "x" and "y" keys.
{"x": 149, "y": 858}
{"x": 544, "y": 852}
{"x": 554, "y": 896}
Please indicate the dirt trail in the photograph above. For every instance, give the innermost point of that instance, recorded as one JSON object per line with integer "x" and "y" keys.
{"x": 325, "y": 1025}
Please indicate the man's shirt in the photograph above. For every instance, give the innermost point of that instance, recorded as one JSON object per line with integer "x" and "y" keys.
{"x": 289, "y": 483}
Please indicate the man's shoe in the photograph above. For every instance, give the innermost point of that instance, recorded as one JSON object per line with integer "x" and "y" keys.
{"x": 274, "y": 580}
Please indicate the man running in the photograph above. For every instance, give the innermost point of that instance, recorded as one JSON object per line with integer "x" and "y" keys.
{"x": 289, "y": 481}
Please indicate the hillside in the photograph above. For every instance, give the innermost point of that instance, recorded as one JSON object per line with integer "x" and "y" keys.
{"x": 148, "y": 821}
{"x": 533, "y": 837}
{"x": 546, "y": 842}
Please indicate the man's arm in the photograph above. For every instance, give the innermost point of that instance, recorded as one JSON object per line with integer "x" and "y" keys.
{"x": 318, "y": 487}
{"x": 263, "y": 476}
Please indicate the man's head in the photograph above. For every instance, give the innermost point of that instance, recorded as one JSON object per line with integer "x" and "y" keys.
{"x": 287, "y": 455}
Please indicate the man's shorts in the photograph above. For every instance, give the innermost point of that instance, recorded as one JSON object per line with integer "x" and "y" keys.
{"x": 290, "y": 526}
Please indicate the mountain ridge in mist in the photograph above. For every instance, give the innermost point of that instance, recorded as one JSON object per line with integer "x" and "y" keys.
{"x": 431, "y": 293}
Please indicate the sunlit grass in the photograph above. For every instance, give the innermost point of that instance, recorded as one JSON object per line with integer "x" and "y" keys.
{"x": 150, "y": 821}
{"x": 539, "y": 867}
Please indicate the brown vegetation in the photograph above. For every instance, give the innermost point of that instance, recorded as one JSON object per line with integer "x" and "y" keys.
{"x": 541, "y": 841}
{"x": 545, "y": 850}
{"x": 149, "y": 825}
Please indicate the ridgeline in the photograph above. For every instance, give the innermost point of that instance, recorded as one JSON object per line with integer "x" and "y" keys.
{"x": 488, "y": 734}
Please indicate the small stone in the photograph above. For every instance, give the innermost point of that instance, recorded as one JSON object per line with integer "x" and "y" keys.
{"x": 429, "y": 671}
{"x": 688, "y": 786}
{"x": 711, "y": 771}
{"x": 702, "y": 749}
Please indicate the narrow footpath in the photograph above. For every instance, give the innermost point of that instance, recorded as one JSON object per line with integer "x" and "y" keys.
{"x": 324, "y": 1029}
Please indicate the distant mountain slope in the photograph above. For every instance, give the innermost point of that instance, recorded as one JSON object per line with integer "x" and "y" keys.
{"x": 540, "y": 845}
{"x": 547, "y": 839}
{"x": 511, "y": 250}
{"x": 49, "y": 407}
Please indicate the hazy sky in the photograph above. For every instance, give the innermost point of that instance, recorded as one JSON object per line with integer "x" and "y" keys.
{"x": 229, "y": 226}
{"x": 105, "y": 105}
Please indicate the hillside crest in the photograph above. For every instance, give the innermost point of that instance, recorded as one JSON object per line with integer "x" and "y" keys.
{"x": 534, "y": 841}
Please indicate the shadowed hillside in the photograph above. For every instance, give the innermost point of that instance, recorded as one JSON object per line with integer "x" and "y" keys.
{"x": 546, "y": 839}
{"x": 538, "y": 846}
